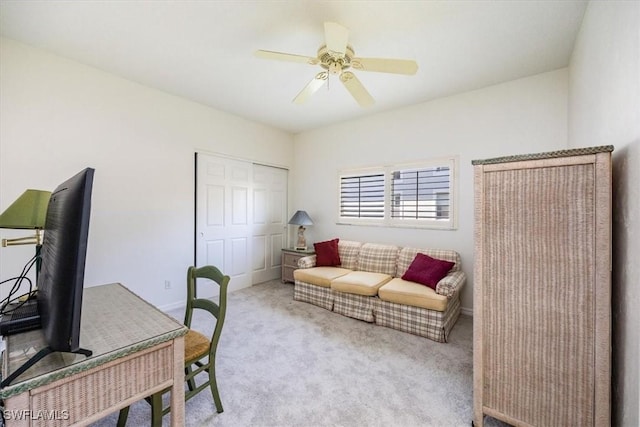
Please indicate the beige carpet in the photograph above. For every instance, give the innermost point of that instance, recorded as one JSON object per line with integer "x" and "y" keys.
{"x": 286, "y": 363}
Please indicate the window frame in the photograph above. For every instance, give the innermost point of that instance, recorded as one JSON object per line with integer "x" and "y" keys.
{"x": 387, "y": 170}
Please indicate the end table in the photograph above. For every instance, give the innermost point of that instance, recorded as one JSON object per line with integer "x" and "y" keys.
{"x": 290, "y": 259}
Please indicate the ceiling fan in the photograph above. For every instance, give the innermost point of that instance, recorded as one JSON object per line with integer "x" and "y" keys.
{"x": 336, "y": 56}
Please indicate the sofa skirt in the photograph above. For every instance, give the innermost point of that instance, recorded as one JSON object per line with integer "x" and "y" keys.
{"x": 359, "y": 307}
{"x": 431, "y": 324}
{"x": 313, "y": 294}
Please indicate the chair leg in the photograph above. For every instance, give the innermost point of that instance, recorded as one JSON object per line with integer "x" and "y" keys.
{"x": 191, "y": 382}
{"x": 122, "y": 417}
{"x": 214, "y": 388}
{"x": 156, "y": 409}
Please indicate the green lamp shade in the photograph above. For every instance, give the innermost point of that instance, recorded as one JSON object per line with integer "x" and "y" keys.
{"x": 27, "y": 212}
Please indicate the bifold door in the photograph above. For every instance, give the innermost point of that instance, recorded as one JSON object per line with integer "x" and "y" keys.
{"x": 240, "y": 218}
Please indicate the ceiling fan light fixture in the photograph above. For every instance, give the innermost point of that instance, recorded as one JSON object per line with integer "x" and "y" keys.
{"x": 335, "y": 68}
{"x": 336, "y": 56}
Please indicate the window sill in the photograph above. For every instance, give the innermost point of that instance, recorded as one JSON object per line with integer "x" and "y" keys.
{"x": 444, "y": 227}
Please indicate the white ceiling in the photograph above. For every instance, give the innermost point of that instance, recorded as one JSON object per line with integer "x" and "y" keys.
{"x": 203, "y": 50}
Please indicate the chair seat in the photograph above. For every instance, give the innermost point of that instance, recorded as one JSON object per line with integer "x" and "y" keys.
{"x": 196, "y": 345}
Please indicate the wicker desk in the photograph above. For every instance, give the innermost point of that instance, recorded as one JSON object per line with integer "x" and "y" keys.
{"x": 137, "y": 351}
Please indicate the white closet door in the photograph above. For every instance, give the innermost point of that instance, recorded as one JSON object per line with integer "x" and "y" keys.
{"x": 269, "y": 221}
{"x": 223, "y": 217}
{"x": 240, "y": 218}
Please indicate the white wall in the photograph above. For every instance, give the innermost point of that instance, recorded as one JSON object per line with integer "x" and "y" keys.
{"x": 604, "y": 108}
{"x": 523, "y": 116}
{"x": 58, "y": 116}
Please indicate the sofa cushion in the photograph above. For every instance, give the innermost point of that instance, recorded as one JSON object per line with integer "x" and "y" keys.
{"x": 378, "y": 258}
{"x": 349, "y": 252}
{"x": 320, "y": 276}
{"x": 327, "y": 253}
{"x": 407, "y": 255}
{"x": 413, "y": 294}
{"x": 360, "y": 283}
{"x": 427, "y": 271}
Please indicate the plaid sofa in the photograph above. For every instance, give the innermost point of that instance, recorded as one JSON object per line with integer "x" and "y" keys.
{"x": 368, "y": 286}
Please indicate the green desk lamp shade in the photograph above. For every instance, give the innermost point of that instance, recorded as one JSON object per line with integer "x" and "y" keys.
{"x": 27, "y": 212}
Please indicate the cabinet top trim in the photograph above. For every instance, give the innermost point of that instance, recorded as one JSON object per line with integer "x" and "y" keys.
{"x": 545, "y": 155}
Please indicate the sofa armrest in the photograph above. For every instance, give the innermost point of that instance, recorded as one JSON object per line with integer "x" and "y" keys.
{"x": 307, "y": 261}
{"x": 451, "y": 284}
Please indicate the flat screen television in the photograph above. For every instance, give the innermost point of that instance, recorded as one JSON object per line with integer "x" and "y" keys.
{"x": 63, "y": 255}
{"x": 61, "y": 279}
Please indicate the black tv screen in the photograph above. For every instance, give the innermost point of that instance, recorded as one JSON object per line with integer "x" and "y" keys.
{"x": 63, "y": 254}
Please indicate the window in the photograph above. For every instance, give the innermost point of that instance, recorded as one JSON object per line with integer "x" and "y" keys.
{"x": 362, "y": 196}
{"x": 416, "y": 195}
{"x": 421, "y": 193}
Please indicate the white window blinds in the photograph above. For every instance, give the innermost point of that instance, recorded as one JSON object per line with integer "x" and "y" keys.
{"x": 421, "y": 194}
{"x": 362, "y": 196}
{"x": 417, "y": 195}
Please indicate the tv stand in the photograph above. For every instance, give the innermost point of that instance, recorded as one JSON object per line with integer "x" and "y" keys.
{"x": 35, "y": 359}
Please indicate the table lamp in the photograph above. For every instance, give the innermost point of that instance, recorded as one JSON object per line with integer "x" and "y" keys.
{"x": 301, "y": 218}
{"x": 28, "y": 212}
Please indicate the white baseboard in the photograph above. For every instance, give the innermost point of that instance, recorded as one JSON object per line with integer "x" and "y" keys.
{"x": 182, "y": 304}
{"x": 467, "y": 311}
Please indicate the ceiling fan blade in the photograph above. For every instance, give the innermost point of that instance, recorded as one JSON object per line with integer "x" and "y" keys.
{"x": 356, "y": 89}
{"x": 280, "y": 56}
{"x": 311, "y": 87}
{"x": 336, "y": 37}
{"x": 383, "y": 65}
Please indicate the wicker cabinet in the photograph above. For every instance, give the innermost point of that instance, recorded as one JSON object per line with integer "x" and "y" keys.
{"x": 542, "y": 288}
{"x": 290, "y": 259}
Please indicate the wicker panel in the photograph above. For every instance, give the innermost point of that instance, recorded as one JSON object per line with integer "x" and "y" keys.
{"x": 546, "y": 155}
{"x": 431, "y": 324}
{"x": 132, "y": 377}
{"x": 356, "y": 306}
{"x": 316, "y": 295}
{"x": 538, "y": 320}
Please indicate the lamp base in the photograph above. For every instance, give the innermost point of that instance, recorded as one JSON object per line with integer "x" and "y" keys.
{"x": 301, "y": 244}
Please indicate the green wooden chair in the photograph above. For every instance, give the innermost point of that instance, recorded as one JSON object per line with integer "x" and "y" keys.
{"x": 199, "y": 351}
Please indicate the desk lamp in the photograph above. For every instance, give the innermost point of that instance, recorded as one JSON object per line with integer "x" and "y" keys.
{"x": 301, "y": 218}
{"x": 28, "y": 212}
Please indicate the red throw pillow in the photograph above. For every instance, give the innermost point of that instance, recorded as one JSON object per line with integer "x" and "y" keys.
{"x": 327, "y": 253}
{"x": 427, "y": 271}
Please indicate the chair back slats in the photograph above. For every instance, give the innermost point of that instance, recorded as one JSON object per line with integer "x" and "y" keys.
{"x": 206, "y": 304}
{"x": 215, "y": 277}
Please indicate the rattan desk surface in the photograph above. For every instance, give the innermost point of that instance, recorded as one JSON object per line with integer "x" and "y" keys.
{"x": 115, "y": 323}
